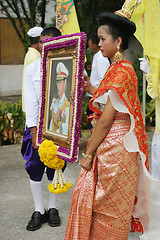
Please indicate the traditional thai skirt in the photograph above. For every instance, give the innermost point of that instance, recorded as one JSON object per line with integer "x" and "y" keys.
{"x": 103, "y": 198}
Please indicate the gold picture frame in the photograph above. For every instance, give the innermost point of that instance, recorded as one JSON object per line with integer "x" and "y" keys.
{"x": 61, "y": 93}
{"x": 65, "y": 56}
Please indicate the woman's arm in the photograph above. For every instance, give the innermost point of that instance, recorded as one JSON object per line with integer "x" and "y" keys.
{"x": 101, "y": 130}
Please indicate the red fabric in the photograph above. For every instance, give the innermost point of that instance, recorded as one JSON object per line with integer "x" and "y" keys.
{"x": 136, "y": 225}
{"x": 122, "y": 78}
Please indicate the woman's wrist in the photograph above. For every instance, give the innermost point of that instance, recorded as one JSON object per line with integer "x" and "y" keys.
{"x": 86, "y": 155}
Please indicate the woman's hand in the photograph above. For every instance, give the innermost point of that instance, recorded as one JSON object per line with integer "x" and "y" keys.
{"x": 86, "y": 163}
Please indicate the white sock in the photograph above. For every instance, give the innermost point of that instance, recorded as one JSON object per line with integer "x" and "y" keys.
{"x": 37, "y": 193}
{"x": 52, "y": 199}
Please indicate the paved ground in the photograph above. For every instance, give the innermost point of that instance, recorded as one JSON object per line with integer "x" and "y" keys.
{"x": 16, "y": 204}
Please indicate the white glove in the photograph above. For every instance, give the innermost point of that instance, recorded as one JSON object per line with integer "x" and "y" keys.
{"x": 144, "y": 65}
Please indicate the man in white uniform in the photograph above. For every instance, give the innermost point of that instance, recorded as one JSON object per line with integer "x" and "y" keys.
{"x": 34, "y": 167}
{"x": 60, "y": 106}
{"x": 100, "y": 64}
{"x": 32, "y": 54}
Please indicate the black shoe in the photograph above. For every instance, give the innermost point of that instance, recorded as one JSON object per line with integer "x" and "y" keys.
{"x": 53, "y": 218}
{"x": 37, "y": 220}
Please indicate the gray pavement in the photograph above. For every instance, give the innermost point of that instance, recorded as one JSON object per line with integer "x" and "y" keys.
{"x": 16, "y": 204}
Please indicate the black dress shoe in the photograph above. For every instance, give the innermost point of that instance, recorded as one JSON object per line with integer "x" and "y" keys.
{"x": 37, "y": 220}
{"x": 53, "y": 218}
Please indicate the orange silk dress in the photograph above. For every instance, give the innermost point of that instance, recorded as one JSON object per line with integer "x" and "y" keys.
{"x": 103, "y": 198}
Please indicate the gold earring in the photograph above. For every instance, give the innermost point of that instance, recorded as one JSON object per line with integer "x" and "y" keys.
{"x": 118, "y": 56}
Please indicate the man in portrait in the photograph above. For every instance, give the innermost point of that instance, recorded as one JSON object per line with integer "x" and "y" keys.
{"x": 60, "y": 106}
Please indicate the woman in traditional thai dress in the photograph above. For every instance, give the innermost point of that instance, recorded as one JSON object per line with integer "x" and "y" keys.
{"x": 105, "y": 192}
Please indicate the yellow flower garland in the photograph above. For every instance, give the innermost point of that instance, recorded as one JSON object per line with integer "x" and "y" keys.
{"x": 48, "y": 155}
{"x": 59, "y": 184}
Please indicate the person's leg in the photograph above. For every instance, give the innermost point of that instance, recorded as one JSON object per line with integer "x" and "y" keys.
{"x": 39, "y": 216}
{"x": 37, "y": 193}
{"x": 52, "y": 199}
{"x": 35, "y": 169}
{"x": 53, "y": 214}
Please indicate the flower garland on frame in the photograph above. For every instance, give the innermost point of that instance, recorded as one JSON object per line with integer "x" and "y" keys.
{"x": 78, "y": 40}
{"x": 48, "y": 155}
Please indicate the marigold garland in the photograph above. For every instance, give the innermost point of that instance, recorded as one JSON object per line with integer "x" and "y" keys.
{"x": 59, "y": 184}
{"x": 48, "y": 155}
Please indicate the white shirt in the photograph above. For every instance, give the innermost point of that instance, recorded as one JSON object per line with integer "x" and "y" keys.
{"x": 31, "y": 56}
{"x": 100, "y": 65}
{"x": 32, "y": 85}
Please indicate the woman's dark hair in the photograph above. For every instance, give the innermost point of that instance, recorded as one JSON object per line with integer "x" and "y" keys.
{"x": 118, "y": 27}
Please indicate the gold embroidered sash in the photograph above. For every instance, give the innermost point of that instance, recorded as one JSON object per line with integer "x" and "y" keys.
{"x": 122, "y": 77}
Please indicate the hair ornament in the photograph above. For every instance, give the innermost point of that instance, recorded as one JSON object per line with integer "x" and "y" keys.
{"x": 128, "y": 8}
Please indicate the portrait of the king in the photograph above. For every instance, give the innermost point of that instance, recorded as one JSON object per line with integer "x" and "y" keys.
{"x": 59, "y": 106}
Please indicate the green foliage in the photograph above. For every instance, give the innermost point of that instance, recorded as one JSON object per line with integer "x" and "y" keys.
{"x": 150, "y": 114}
{"x": 89, "y": 10}
{"x": 150, "y": 104}
{"x": 53, "y": 22}
{"x": 88, "y": 63}
{"x": 18, "y": 115}
{"x": 12, "y": 121}
{"x": 84, "y": 123}
{"x": 4, "y": 122}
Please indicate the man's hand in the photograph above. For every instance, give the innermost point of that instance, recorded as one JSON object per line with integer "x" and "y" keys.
{"x": 33, "y": 131}
{"x": 86, "y": 83}
{"x": 86, "y": 163}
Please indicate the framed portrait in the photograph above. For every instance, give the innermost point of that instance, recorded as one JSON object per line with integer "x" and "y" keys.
{"x": 60, "y": 108}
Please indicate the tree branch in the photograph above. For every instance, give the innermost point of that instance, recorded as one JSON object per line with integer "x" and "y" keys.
{"x": 10, "y": 5}
{"x": 44, "y": 2}
{"x": 13, "y": 22}
{"x": 32, "y": 8}
{"x": 19, "y": 18}
{"x": 25, "y": 13}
